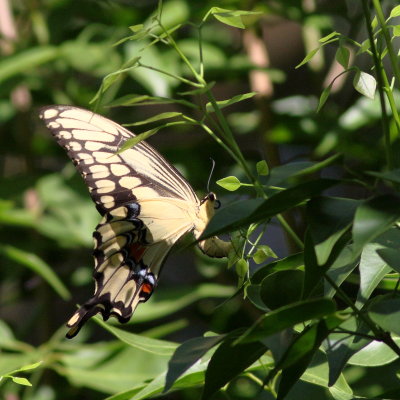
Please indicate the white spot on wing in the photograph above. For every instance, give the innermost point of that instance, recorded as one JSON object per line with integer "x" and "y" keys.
{"x": 93, "y": 146}
{"x": 47, "y": 114}
{"x": 53, "y": 125}
{"x": 76, "y": 146}
{"x": 64, "y": 134}
{"x": 130, "y": 182}
{"x": 108, "y": 201}
{"x": 119, "y": 169}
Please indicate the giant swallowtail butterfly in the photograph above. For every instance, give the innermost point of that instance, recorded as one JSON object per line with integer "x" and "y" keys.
{"x": 145, "y": 203}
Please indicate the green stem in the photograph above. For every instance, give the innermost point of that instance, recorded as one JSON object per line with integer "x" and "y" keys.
{"x": 378, "y": 69}
{"x": 179, "y": 78}
{"x": 290, "y": 231}
{"x": 182, "y": 56}
{"x": 386, "y": 35}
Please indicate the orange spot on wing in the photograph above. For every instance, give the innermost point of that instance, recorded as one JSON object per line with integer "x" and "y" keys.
{"x": 147, "y": 288}
{"x": 136, "y": 251}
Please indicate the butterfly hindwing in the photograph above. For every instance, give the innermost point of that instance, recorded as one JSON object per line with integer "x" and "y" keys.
{"x": 123, "y": 278}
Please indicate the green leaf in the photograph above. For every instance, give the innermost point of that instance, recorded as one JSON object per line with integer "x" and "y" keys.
{"x": 286, "y": 317}
{"x": 187, "y": 354}
{"x": 396, "y": 31}
{"x": 228, "y": 361}
{"x": 133, "y": 141}
{"x": 365, "y": 46}
{"x": 21, "y": 381}
{"x": 230, "y": 183}
{"x": 263, "y": 252}
{"x": 299, "y": 355}
{"x": 342, "y": 267}
{"x": 365, "y": 84}
{"x": 262, "y": 168}
{"x": 282, "y": 288}
{"x": 342, "y": 346}
{"x": 372, "y": 218}
{"x": 317, "y": 374}
{"x": 328, "y": 37}
{"x": 165, "y": 302}
{"x": 37, "y": 265}
{"x": 385, "y": 312}
{"x": 324, "y": 97}
{"x": 198, "y": 91}
{"x": 110, "y": 367}
{"x": 253, "y": 294}
{"x": 27, "y": 367}
{"x": 139, "y": 100}
{"x": 243, "y": 213}
{"x": 111, "y": 78}
{"x": 158, "y": 117}
{"x": 391, "y": 176}
{"x": 26, "y": 60}
{"x": 342, "y": 56}
{"x": 329, "y": 218}
{"x": 395, "y": 12}
{"x": 291, "y": 262}
{"x": 235, "y": 99}
{"x": 308, "y": 57}
{"x": 154, "y": 346}
{"x": 230, "y": 17}
{"x": 136, "y": 28}
{"x": 374, "y": 23}
{"x": 372, "y": 269}
{"x": 375, "y": 354}
{"x": 391, "y": 257}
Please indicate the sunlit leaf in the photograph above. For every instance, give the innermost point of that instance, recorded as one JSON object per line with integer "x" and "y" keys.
{"x": 262, "y": 168}
{"x": 308, "y": 57}
{"x": 21, "y": 381}
{"x": 395, "y": 12}
{"x": 342, "y": 56}
{"x": 36, "y": 264}
{"x": 187, "y": 354}
{"x": 324, "y": 97}
{"x": 158, "y": 117}
{"x": 235, "y": 99}
{"x": 155, "y": 346}
{"x": 365, "y": 84}
{"x": 324, "y": 39}
{"x": 230, "y": 183}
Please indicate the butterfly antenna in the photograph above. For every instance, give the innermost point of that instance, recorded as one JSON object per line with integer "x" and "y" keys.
{"x": 209, "y": 177}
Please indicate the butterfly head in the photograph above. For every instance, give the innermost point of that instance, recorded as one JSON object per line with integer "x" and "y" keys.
{"x": 210, "y": 203}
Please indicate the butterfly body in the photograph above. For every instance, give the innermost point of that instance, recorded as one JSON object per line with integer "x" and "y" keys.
{"x": 145, "y": 203}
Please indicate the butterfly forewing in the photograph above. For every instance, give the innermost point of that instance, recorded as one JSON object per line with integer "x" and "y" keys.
{"x": 92, "y": 142}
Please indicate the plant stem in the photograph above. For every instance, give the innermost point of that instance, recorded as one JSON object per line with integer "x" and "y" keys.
{"x": 379, "y": 77}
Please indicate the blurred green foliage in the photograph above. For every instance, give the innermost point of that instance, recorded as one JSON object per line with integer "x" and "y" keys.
{"x": 308, "y": 307}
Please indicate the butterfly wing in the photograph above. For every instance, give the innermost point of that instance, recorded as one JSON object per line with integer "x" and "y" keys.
{"x": 146, "y": 205}
{"x": 113, "y": 179}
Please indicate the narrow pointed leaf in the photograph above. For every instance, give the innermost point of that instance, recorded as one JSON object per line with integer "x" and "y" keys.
{"x": 187, "y": 354}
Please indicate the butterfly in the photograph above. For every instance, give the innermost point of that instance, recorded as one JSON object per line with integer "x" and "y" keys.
{"x": 146, "y": 206}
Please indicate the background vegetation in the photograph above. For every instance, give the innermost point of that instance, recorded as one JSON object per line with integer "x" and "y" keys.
{"x": 307, "y": 304}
